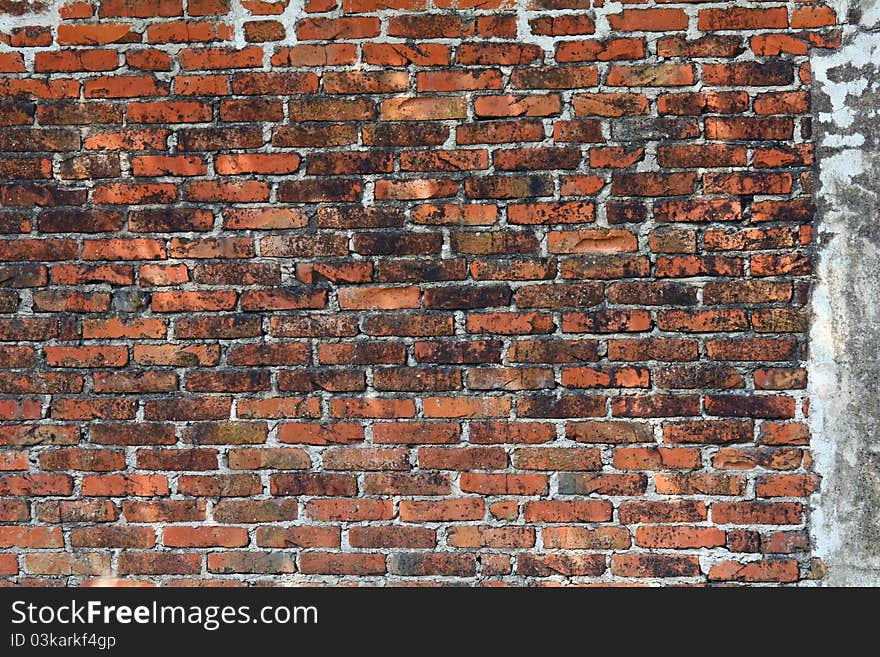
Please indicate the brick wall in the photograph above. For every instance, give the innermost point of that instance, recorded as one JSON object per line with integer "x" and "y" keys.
{"x": 405, "y": 291}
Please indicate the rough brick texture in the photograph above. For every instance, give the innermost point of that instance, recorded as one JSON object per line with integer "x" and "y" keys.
{"x": 405, "y": 292}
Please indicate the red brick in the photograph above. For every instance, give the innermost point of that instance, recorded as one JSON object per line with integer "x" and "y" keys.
{"x": 124, "y": 485}
{"x": 657, "y": 20}
{"x": 477, "y": 536}
{"x": 392, "y": 536}
{"x": 582, "y": 538}
{"x": 654, "y": 565}
{"x": 437, "y": 563}
{"x": 743, "y": 19}
{"x": 447, "y": 510}
{"x": 679, "y": 537}
{"x": 204, "y": 537}
{"x": 349, "y": 510}
{"x": 303, "y": 536}
{"x": 757, "y": 513}
{"x": 504, "y": 484}
{"x": 342, "y": 564}
{"x": 756, "y": 571}
{"x": 446, "y": 307}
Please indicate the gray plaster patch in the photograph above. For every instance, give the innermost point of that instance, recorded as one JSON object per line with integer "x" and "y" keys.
{"x": 845, "y": 332}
